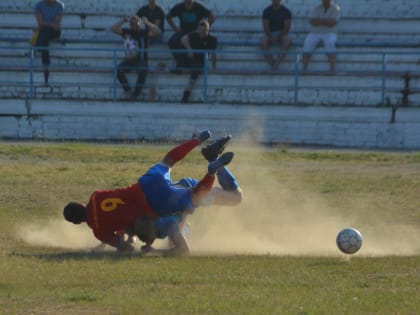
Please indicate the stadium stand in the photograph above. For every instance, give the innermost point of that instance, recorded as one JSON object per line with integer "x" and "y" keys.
{"x": 366, "y": 33}
{"x": 378, "y": 69}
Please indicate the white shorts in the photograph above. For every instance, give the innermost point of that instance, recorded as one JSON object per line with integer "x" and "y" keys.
{"x": 312, "y": 40}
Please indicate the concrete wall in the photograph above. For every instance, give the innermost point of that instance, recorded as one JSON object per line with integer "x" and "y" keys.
{"x": 315, "y": 125}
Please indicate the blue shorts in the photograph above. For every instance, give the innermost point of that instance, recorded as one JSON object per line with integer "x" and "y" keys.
{"x": 163, "y": 197}
{"x": 165, "y": 226}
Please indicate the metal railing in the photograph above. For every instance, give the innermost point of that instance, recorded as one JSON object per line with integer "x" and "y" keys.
{"x": 113, "y": 56}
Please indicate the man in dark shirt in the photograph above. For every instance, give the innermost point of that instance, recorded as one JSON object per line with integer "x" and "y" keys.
{"x": 201, "y": 39}
{"x": 154, "y": 14}
{"x": 276, "y": 23}
{"x": 136, "y": 58}
{"x": 48, "y": 15}
{"x": 189, "y": 13}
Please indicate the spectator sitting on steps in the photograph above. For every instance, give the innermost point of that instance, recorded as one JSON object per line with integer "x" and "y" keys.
{"x": 136, "y": 58}
{"x": 155, "y": 15}
{"x": 323, "y": 19}
{"x": 276, "y": 23}
{"x": 189, "y": 13}
{"x": 201, "y": 39}
{"x": 48, "y": 16}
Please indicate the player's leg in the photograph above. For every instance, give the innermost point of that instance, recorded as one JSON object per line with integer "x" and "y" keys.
{"x": 308, "y": 47}
{"x": 180, "y": 151}
{"x": 122, "y": 68}
{"x": 204, "y": 186}
{"x": 212, "y": 151}
{"x": 329, "y": 43}
{"x": 285, "y": 42}
{"x": 265, "y": 46}
{"x": 141, "y": 70}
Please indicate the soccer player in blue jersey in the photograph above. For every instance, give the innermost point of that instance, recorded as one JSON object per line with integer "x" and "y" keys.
{"x": 169, "y": 223}
{"x": 229, "y": 194}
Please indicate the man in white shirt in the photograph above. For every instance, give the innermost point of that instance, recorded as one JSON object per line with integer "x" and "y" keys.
{"x": 323, "y": 20}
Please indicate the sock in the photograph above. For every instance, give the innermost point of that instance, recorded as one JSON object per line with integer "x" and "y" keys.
{"x": 180, "y": 151}
{"x": 226, "y": 179}
{"x": 204, "y": 185}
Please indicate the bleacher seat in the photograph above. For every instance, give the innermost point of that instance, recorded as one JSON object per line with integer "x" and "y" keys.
{"x": 366, "y": 30}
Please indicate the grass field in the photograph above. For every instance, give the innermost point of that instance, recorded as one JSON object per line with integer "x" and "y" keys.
{"x": 274, "y": 254}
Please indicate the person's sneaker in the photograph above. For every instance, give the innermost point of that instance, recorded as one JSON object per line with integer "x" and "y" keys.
{"x": 186, "y": 96}
{"x": 212, "y": 151}
{"x": 202, "y": 136}
{"x": 223, "y": 160}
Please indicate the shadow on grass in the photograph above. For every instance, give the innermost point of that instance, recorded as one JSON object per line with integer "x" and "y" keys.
{"x": 78, "y": 255}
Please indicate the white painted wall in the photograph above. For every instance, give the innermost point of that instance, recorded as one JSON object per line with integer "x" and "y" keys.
{"x": 354, "y": 127}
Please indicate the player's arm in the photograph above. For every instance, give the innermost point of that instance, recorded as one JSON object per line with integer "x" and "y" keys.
{"x": 213, "y": 59}
{"x": 40, "y": 20}
{"x": 185, "y": 41}
{"x": 115, "y": 240}
{"x": 116, "y": 28}
{"x": 154, "y": 30}
{"x": 266, "y": 27}
{"x": 167, "y": 226}
{"x": 286, "y": 26}
{"x": 169, "y": 19}
{"x": 213, "y": 56}
{"x": 57, "y": 22}
{"x": 181, "y": 246}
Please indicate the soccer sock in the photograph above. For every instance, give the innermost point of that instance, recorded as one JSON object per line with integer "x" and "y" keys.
{"x": 226, "y": 179}
{"x": 204, "y": 185}
{"x": 180, "y": 151}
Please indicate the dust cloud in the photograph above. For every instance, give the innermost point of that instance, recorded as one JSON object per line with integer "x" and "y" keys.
{"x": 273, "y": 219}
{"x": 58, "y": 233}
{"x": 278, "y": 220}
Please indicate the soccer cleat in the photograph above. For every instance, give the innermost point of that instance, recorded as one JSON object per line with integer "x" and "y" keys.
{"x": 202, "y": 136}
{"x": 211, "y": 152}
{"x": 223, "y": 160}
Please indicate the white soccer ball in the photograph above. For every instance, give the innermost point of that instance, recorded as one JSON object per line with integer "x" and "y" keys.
{"x": 349, "y": 240}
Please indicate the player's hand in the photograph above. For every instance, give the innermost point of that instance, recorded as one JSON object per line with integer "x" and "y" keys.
{"x": 125, "y": 247}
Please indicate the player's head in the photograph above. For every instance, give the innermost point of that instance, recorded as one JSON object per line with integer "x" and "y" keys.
{"x": 75, "y": 212}
{"x": 188, "y": 3}
{"x": 145, "y": 229}
{"x": 134, "y": 21}
{"x": 203, "y": 28}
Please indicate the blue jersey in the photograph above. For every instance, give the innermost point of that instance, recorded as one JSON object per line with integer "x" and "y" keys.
{"x": 165, "y": 226}
{"x": 163, "y": 196}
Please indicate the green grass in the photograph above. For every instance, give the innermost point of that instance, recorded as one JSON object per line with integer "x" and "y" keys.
{"x": 286, "y": 192}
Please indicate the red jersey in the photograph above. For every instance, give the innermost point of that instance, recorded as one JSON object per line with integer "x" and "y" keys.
{"x": 111, "y": 210}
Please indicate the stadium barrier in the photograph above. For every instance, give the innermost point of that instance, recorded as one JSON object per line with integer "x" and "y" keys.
{"x": 262, "y": 79}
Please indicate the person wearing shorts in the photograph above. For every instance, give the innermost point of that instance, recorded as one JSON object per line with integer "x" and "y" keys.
{"x": 276, "y": 23}
{"x": 323, "y": 20}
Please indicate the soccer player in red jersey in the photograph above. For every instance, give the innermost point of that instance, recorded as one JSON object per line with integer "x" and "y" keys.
{"x": 109, "y": 212}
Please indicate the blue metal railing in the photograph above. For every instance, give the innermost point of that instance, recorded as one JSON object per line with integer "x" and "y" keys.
{"x": 114, "y": 54}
